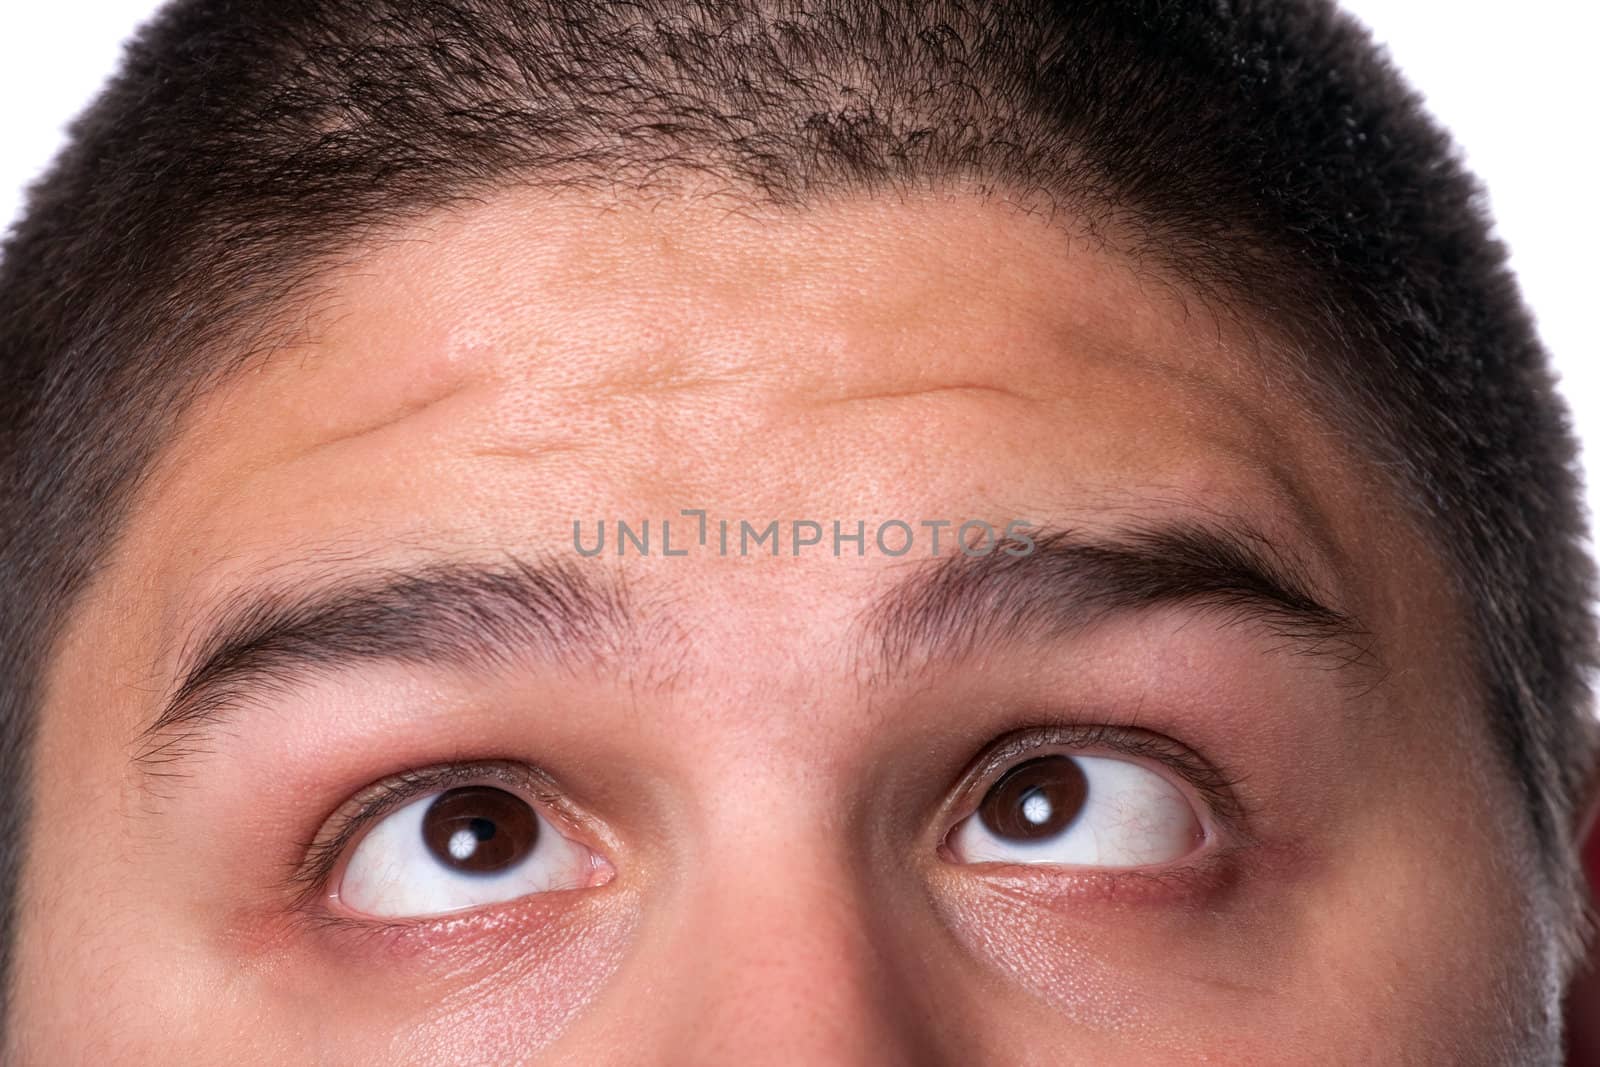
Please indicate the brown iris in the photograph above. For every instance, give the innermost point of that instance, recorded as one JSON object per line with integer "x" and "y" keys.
{"x": 478, "y": 829}
{"x": 1035, "y": 799}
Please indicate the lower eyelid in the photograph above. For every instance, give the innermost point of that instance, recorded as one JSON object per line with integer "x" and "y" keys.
{"x": 1206, "y": 870}
{"x": 474, "y": 937}
{"x": 1209, "y": 870}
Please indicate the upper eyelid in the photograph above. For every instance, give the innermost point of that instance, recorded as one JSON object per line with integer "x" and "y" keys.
{"x": 321, "y": 856}
{"x": 361, "y": 810}
{"x": 1217, "y": 787}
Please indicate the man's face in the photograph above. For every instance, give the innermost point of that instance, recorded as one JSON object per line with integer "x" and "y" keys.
{"x": 461, "y": 791}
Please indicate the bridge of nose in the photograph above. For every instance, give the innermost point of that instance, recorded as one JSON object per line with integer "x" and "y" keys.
{"x": 791, "y": 949}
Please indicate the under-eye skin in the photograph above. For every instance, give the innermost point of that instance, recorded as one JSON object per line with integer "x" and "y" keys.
{"x": 1097, "y": 798}
{"x": 447, "y": 839}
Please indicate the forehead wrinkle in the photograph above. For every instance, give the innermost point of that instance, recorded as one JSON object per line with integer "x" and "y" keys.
{"x": 977, "y": 389}
{"x": 409, "y": 409}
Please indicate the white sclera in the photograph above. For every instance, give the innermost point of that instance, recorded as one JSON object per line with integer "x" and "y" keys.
{"x": 1131, "y": 817}
{"x": 394, "y": 874}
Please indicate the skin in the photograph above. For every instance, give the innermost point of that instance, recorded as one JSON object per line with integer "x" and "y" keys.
{"x": 769, "y": 803}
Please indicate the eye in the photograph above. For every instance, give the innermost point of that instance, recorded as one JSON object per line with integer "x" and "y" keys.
{"x": 461, "y": 848}
{"x": 1085, "y": 811}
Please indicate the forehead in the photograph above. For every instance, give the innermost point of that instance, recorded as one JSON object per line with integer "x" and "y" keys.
{"x": 488, "y": 377}
{"x": 573, "y": 328}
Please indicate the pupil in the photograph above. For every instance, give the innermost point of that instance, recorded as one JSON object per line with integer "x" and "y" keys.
{"x": 479, "y": 829}
{"x": 1035, "y": 799}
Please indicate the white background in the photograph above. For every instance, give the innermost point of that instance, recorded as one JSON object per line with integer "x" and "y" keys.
{"x": 1516, "y": 85}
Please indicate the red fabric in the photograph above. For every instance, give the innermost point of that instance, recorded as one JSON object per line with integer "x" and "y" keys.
{"x": 1583, "y": 1000}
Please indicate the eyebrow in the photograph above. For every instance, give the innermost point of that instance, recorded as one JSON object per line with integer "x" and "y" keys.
{"x": 1059, "y": 581}
{"x": 468, "y": 615}
{"x": 487, "y": 615}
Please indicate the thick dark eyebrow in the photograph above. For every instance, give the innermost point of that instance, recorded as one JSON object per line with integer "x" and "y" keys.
{"x": 464, "y": 614}
{"x": 486, "y": 615}
{"x": 1061, "y": 580}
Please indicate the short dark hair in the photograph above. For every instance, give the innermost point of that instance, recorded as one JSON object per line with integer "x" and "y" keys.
{"x": 1262, "y": 152}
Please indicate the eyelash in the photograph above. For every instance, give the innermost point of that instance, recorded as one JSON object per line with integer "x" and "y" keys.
{"x": 1216, "y": 786}
{"x": 312, "y": 875}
